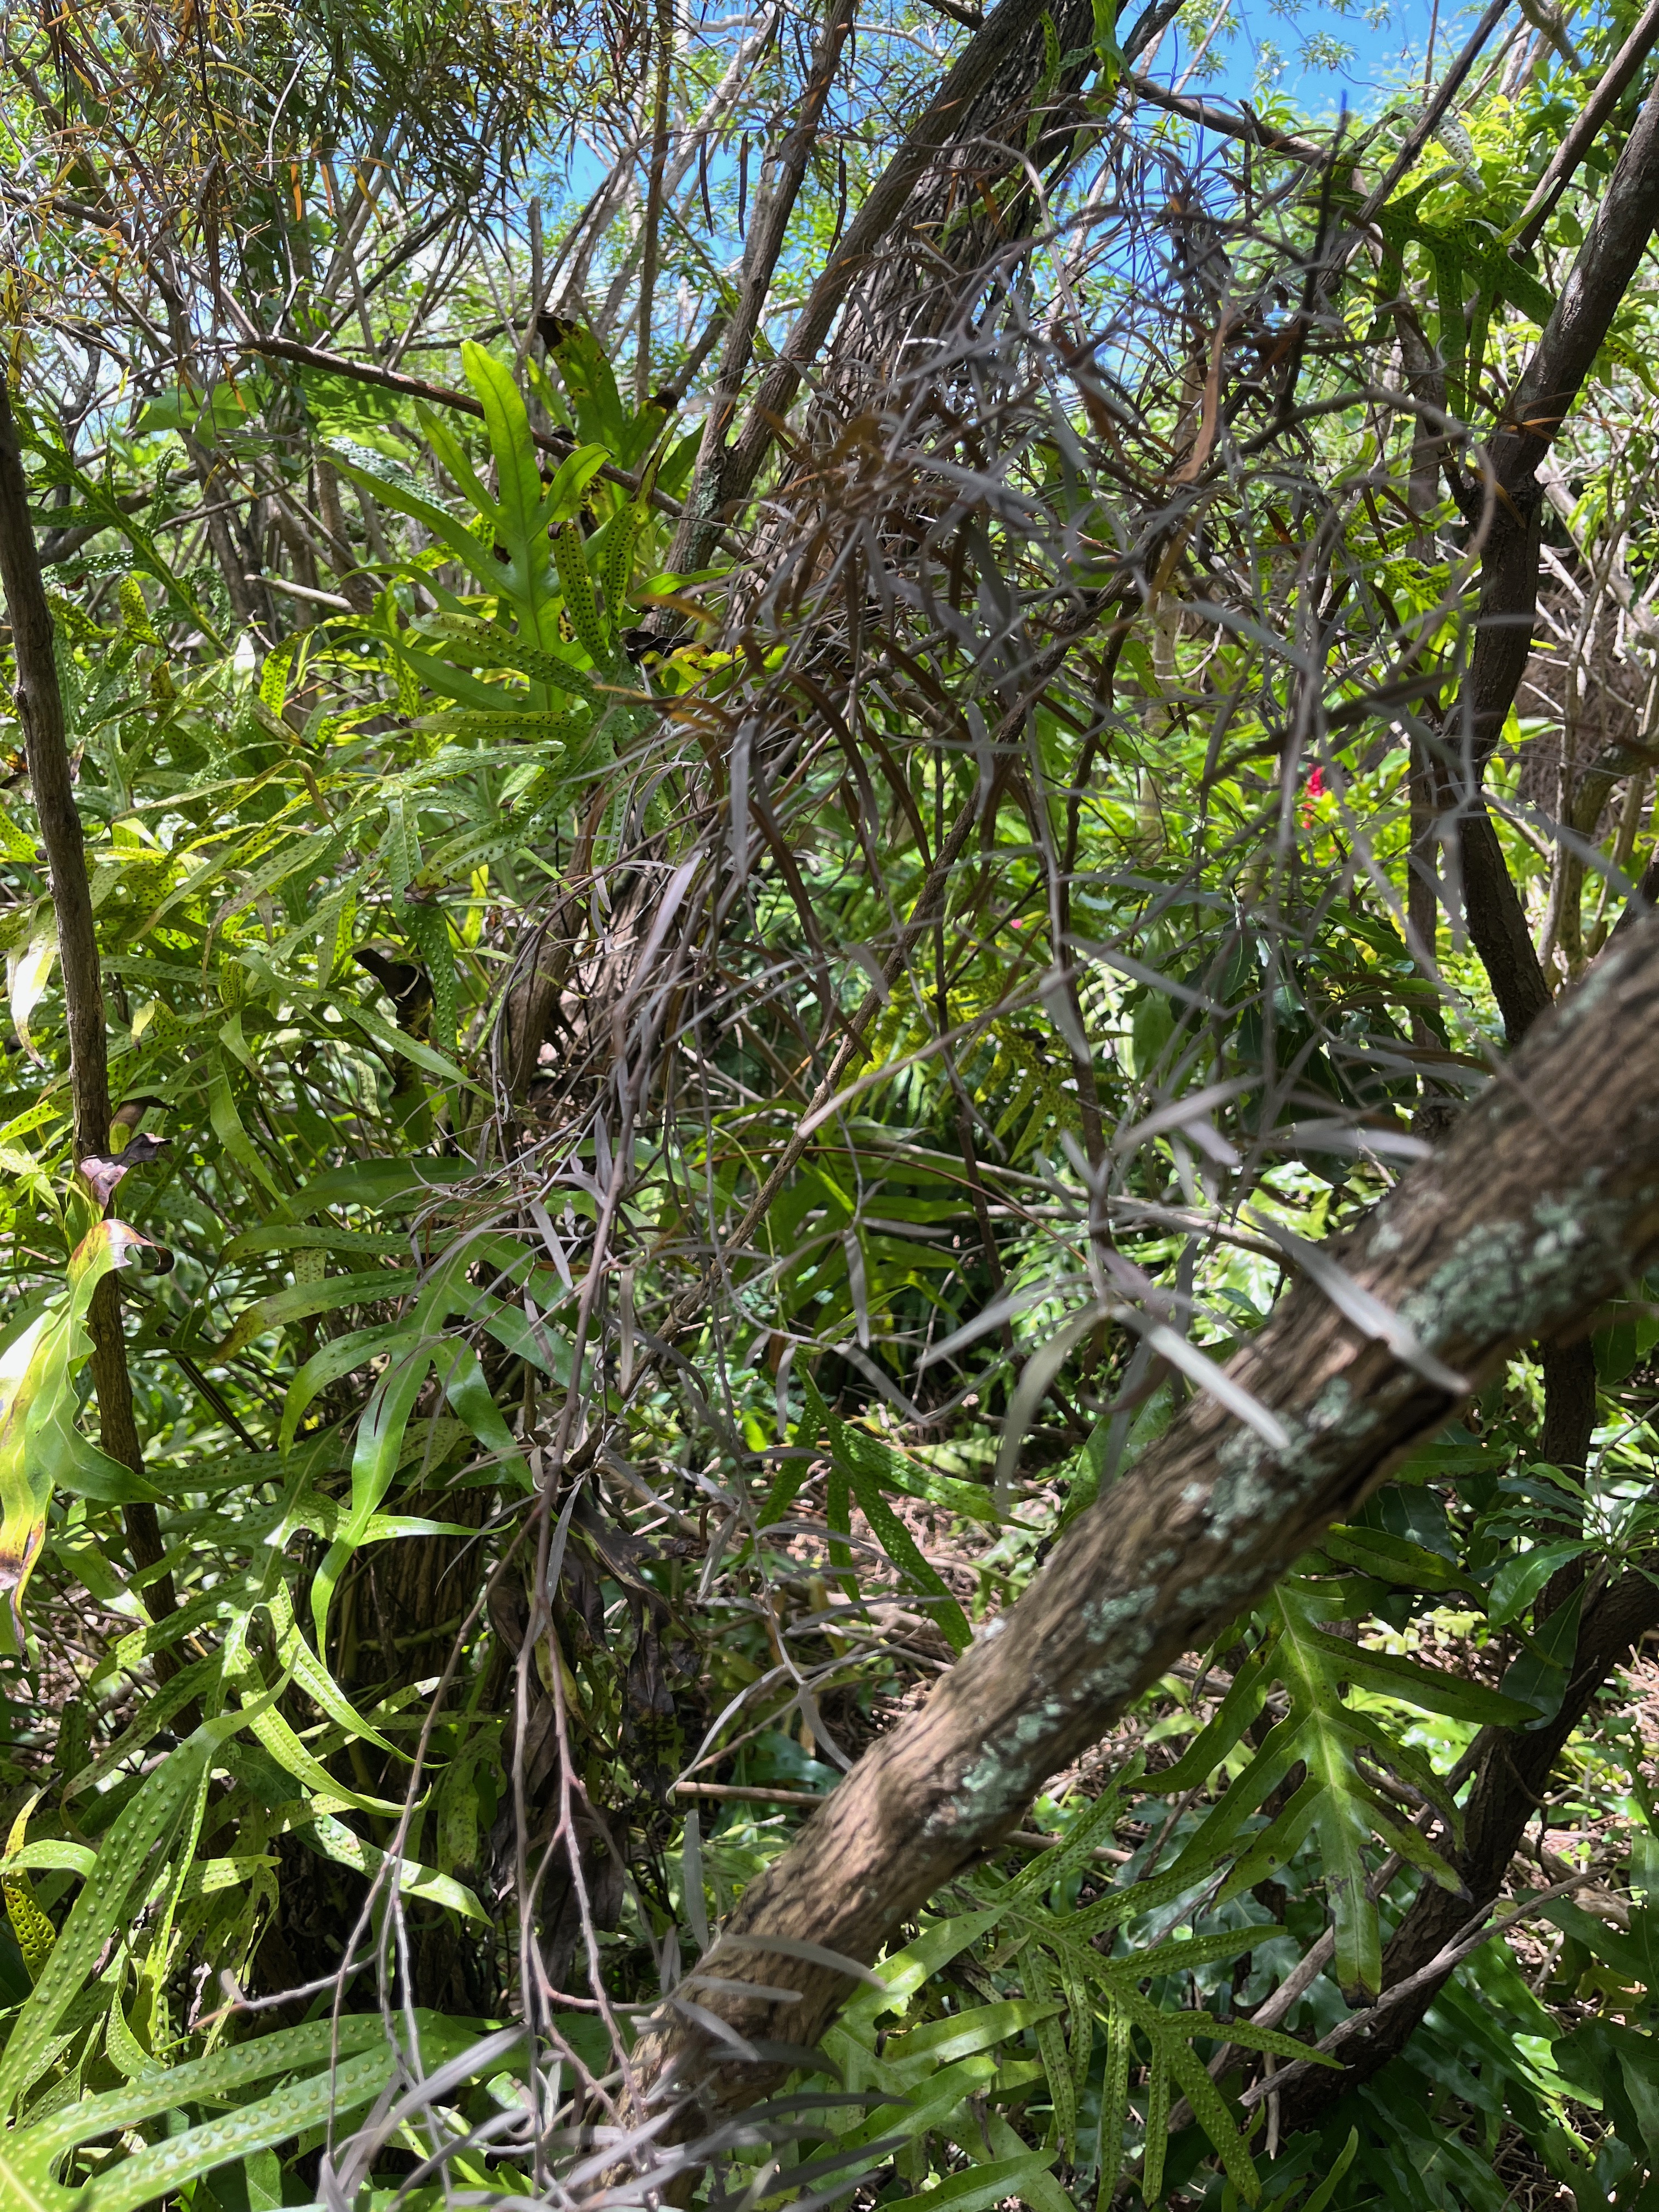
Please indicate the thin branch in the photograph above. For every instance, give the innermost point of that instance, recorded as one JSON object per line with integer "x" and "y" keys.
{"x": 40, "y": 709}
{"x": 1586, "y": 129}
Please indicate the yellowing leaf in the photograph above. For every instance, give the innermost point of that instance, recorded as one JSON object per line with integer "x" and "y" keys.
{"x": 29, "y": 971}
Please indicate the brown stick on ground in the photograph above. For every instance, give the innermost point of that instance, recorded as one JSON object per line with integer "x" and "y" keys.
{"x": 1543, "y": 1202}
{"x": 40, "y": 709}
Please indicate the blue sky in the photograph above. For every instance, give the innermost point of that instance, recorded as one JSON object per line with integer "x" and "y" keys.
{"x": 1383, "y": 52}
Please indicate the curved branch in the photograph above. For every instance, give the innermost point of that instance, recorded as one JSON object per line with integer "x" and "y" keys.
{"x": 1562, "y": 361}
{"x": 1586, "y": 129}
{"x": 950, "y": 118}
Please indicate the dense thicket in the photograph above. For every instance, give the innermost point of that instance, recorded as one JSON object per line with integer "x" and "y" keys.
{"x": 786, "y": 794}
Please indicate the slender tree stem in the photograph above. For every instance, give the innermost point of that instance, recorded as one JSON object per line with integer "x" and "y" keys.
{"x": 700, "y": 528}
{"x": 1587, "y": 127}
{"x": 40, "y": 709}
{"x": 651, "y": 252}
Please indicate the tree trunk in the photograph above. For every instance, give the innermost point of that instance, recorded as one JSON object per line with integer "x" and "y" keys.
{"x": 1509, "y": 513}
{"x": 1543, "y": 1203}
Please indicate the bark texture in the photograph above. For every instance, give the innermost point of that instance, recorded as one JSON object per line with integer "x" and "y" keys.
{"x": 1543, "y": 1202}
{"x": 1516, "y": 1764}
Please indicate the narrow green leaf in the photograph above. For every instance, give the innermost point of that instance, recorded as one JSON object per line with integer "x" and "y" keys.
{"x": 470, "y": 643}
{"x": 329, "y": 1364}
{"x": 1114, "y": 2102}
{"x": 1280, "y": 1750}
{"x": 466, "y": 1390}
{"x": 1342, "y": 1814}
{"x": 1327, "y": 2190}
{"x": 896, "y": 1470}
{"x": 1430, "y": 1688}
{"x": 1209, "y": 2108}
{"x": 227, "y": 1127}
{"x": 300, "y": 1300}
{"x": 302, "y": 1665}
{"x": 1056, "y": 2058}
{"x": 336, "y": 1841}
{"x": 125, "y": 1860}
{"x": 393, "y": 484}
{"x": 580, "y": 603}
{"x": 1392, "y": 1558}
{"x": 399, "y": 1043}
{"x": 907, "y": 1970}
{"x": 41, "y": 1448}
{"x": 941, "y": 2042}
{"x": 1149, "y": 1895}
{"x": 520, "y": 515}
{"x": 888, "y": 1529}
{"x": 837, "y": 1516}
{"x": 1519, "y": 1580}
{"x": 1223, "y": 1731}
{"x": 48, "y": 1855}
{"x": 1093, "y": 1826}
{"x": 380, "y": 1440}
{"x": 1276, "y": 1844}
{"x": 1158, "y": 2126}
{"x": 459, "y": 470}
{"x": 984, "y": 2186}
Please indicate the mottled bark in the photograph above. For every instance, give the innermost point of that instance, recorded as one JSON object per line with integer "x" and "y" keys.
{"x": 1517, "y": 1764}
{"x": 1543, "y": 1202}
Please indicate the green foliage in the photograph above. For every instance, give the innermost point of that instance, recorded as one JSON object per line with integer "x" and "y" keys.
{"x": 41, "y": 1449}
{"x": 485, "y": 913}
{"x": 246, "y": 840}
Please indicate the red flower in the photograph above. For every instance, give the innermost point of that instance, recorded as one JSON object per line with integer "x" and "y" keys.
{"x": 1316, "y": 789}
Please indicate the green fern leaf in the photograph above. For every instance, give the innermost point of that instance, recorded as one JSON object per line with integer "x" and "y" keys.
{"x": 579, "y": 600}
